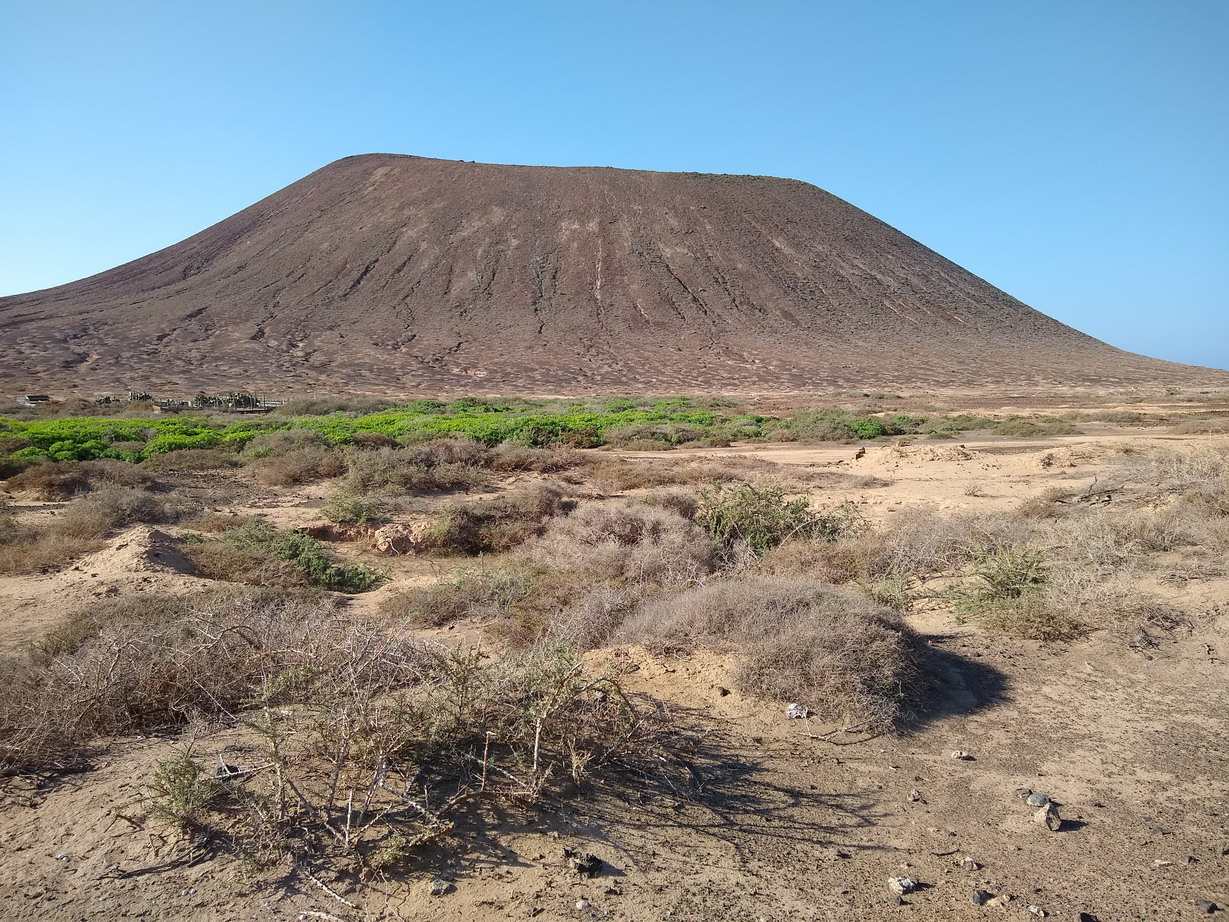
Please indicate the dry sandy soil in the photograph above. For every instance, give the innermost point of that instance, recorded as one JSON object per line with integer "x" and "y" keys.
{"x": 785, "y": 819}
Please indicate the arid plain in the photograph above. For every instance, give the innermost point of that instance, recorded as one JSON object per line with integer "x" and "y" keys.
{"x": 1104, "y": 690}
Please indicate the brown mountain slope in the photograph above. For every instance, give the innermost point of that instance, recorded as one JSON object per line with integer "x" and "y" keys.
{"x": 390, "y": 273}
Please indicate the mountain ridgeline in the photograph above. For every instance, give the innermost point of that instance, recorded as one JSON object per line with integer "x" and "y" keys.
{"x": 399, "y": 274}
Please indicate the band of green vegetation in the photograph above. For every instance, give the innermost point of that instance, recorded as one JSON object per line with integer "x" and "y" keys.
{"x": 673, "y": 421}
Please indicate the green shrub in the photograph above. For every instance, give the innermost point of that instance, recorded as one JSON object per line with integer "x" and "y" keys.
{"x": 345, "y": 509}
{"x": 243, "y": 554}
{"x": 763, "y": 517}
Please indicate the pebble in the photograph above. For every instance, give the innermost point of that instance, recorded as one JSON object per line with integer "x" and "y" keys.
{"x": 582, "y": 905}
{"x": 968, "y": 864}
{"x": 1037, "y": 911}
{"x": 902, "y": 885}
{"x": 836, "y": 854}
{"x": 1086, "y": 917}
{"x": 915, "y": 797}
{"x": 1206, "y": 906}
{"x": 722, "y": 690}
{"x": 1037, "y": 799}
{"x": 440, "y": 886}
{"x": 1023, "y": 793}
{"x": 796, "y": 711}
{"x": 1048, "y": 817}
{"x": 962, "y": 755}
{"x": 981, "y": 897}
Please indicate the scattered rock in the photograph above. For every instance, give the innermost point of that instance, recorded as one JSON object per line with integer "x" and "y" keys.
{"x": 1086, "y": 917}
{"x": 582, "y": 905}
{"x": 1023, "y": 793}
{"x": 398, "y": 539}
{"x": 963, "y": 756}
{"x": 796, "y": 711}
{"x": 915, "y": 797}
{"x": 1206, "y": 906}
{"x": 836, "y": 854}
{"x": 722, "y": 690}
{"x": 1036, "y": 799}
{"x": 1036, "y": 910}
{"x": 902, "y": 885}
{"x": 584, "y": 863}
{"x": 981, "y": 897}
{"x": 1048, "y": 817}
{"x": 968, "y": 864}
{"x": 1162, "y": 863}
{"x": 439, "y": 886}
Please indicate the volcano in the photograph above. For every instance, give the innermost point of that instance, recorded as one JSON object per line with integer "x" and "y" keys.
{"x": 400, "y": 274}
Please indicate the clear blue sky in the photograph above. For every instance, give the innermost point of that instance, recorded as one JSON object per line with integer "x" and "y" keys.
{"x": 1073, "y": 152}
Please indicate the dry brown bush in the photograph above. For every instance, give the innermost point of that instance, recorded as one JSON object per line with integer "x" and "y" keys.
{"x": 1032, "y": 616}
{"x": 1163, "y": 472}
{"x": 618, "y": 474}
{"x": 1049, "y": 503}
{"x": 306, "y": 464}
{"x": 445, "y": 464}
{"x": 51, "y": 480}
{"x": 25, "y": 550}
{"x": 216, "y": 522}
{"x": 151, "y": 662}
{"x": 1201, "y": 425}
{"x": 496, "y": 524}
{"x": 859, "y": 558}
{"x": 476, "y": 592}
{"x": 453, "y": 450}
{"x": 109, "y": 508}
{"x": 681, "y": 502}
{"x": 592, "y": 619}
{"x": 508, "y": 456}
{"x": 838, "y": 653}
{"x": 627, "y": 542}
{"x": 336, "y": 704}
{"x": 921, "y": 545}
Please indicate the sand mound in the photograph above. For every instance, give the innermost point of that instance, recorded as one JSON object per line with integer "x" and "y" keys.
{"x": 140, "y": 550}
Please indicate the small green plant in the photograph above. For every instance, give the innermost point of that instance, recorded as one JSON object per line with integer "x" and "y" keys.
{"x": 1008, "y": 596}
{"x": 179, "y": 794}
{"x": 346, "y": 509}
{"x": 1009, "y": 572}
{"x": 258, "y": 541}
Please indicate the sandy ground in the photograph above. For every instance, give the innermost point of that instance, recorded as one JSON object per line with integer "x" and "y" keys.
{"x": 783, "y": 821}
